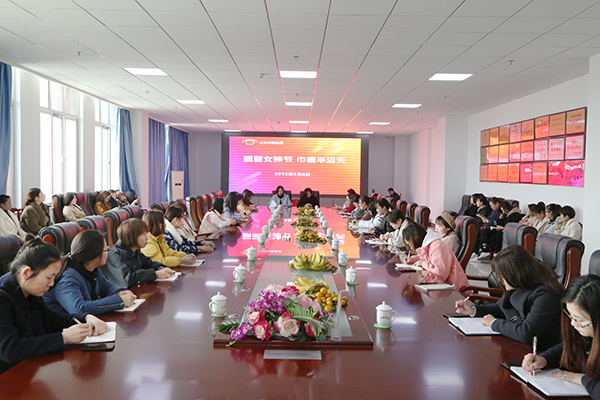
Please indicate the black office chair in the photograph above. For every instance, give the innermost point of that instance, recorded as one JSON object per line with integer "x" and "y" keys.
{"x": 97, "y": 222}
{"x": 410, "y": 210}
{"x": 422, "y": 214}
{"x": 60, "y": 235}
{"x": 562, "y": 254}
{"x": 9, "y": 247}
{"x": 523, "y": 235}
{"x": 594, "y": 267}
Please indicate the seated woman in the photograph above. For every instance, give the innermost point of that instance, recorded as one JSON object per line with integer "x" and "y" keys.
{"x": 553, "y": 214}
{"x": 214, "y": 219}
{"x": 509, "y": 214}
{"x": 398, "y": 222}
{"x": 531, "y": 304}
{"x": 359, "y": 210}
{"x": 245, "y": 203}
{"x": 71, "y": 211}
{"x": 280, "y": 198}
{"x": 102, "y": 204}
{"x": 82, "y": 288}
{"x": 9, "y": 223}
{"x": 126, "y": 265}
{"x": 568, "y": 225}
{"x": 536, "y": 216}
{"x": 231, "y": 211}
{"x": 157, "y": 248}
{"x": 578, "y": 356}
{"x": 483, "y": 207}
{"x": 307, "y": 199}
{"x": 439, "y": 263}
{"x": 445, "y": 226}
{"x": 486, "y": 240}
{"x": 186, "y": 230}
{"x": 36, "y": 214}
{"x": 132, "y": 198}
{"x": 174, "y": 221}
{"x": 369, "y": 217}
{"x": 381, "y": 223}
{"x": 348, "y": 206}
{"x": 27, "y": 327}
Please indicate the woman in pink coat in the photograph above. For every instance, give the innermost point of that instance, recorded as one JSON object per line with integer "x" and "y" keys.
{"x": 439, "y": 263}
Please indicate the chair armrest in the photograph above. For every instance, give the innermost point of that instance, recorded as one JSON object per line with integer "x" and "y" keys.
{"x": 481, "y": 298}
{"x": 477, "y": 278}
{"x": 477, "y": 289}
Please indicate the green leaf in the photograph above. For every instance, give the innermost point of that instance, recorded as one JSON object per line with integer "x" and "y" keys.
{"x": 228, "y": 326}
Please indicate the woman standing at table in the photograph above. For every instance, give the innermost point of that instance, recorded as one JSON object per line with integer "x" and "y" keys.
{"x": 280, "y": 198}
{"x": 439, "y": 263}
{"x": 127, "y": 266}
{"x": 157, "y": 248}
{"x": 27, "y": 327}
{"x": 531, "y": 304}
{"x": 36, "y": 215}
{"x": 82, "y": 288}
{"x": 579, "y": 354}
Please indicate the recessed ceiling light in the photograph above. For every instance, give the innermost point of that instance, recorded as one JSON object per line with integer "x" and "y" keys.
{"x": 400, "y": 105}
{"x": 232, "y": 130}
{"x": 379, "y": 123}
{"x": 182, "y": 124}
{"x": 298, "y": 74}
{"x": 298, "y": 131}
{"x": 298, "y": 122}
{"x": 191, "y": 102}
{"x": 218, "y": 121}
{"x": 146, "y": 71}
{"x": 298, "y": 103}
{"x": 450, "y": 77}
{"x": 364, "y": 133}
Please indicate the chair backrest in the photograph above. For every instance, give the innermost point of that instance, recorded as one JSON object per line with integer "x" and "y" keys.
{"x": 134, "y": 211}
{"x": 466, "y": 230}
{"x": 422, "y": 214}
{"x": 97, "y": 222}
{"x": 212, "y": 195}
{"x": 402, "y": 206}
{"x": 114, "y": 218}
{"x": 562, "y": 254}
{"x": 192, "y": 209}
{"x": 90, "y": 200}
{"x": 161, "y": 206}
{"x": 57, "y": 206}
{"x": 315, "y": 194}
{"x": 523, "y": 235}
{"x": 208, "y": 201}
{"x": 219, "y": 193}
{"x": 9, "y": 247}
{"x": 82, "y": 202}
{"x": 201, "y": 205}
{"x": 410, "y": 210}
{"x": 594, "y": 267}
{"x": 60, "y": 235}
{"x": 464, "y": 204}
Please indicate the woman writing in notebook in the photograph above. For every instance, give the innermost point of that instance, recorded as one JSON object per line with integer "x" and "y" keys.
{"x": 530, "y": 305}
{"x": 578, "y": 356}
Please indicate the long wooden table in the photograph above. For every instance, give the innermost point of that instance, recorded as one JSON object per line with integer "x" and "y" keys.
{"x": 165, "y": 349}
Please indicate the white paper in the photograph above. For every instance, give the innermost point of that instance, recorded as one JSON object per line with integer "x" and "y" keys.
{"x": 472, "y": 326}
{"x": 408, "y": 266}
{"x": 292, "y": 355}
{"x": 172, "y": 278}
{"x": 426, "y": 287}
{"x": 198, "y": 263}
{"x": 376, "y": 241}
{"x": 549, "y": 385}
{"x": 272, "y": 204}
{"x": 109, "y": 336}
{"x": 133, "y": 307}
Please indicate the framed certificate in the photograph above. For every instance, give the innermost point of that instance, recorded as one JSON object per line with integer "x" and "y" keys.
{"x": 576, "y": 121}
{"x": 556, "y": 149}
{"x": 556, "y": 173}
{"x": 515, "y": 132}
{"x": 513, "y": 173}
{"x": 557, "y": 124}
{"x": 540, "y": 173}
{"x": 574, "y": 173}
{"x": 504, "y": 135}
{"x": 526, "y": 172}
{"x": 542, "y": 127}
{"x": 492, "y": 173}
{"x": 574, "y": 149}
{"x": 503, "y": 153}
{"x": 483, "y": 159}
{"x": 494, "y": 132}
{"x": 540, "y": 152}
{"x": 483, "y": 173}
{"x": 527, "y": 130}
{"x": 492, "y": 155}
{"x": 485, "y": 138}
{"x": 514, "y": 153}
{"x": 527, "y": 151}
{"x": 502, "y": 172}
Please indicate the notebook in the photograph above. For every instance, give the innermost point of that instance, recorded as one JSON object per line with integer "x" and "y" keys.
{"x": 376, "y": 241}
{"x": 109, "y": 336}
{"x": 172, "y": 278}
{"x": 549, "y": 385}
{"x": 133, "y": 307}
{"x": 426, "y": 287}
{"x": 198, "y": 263}
{"x": 472, "y": 326}
{"x": 408, "y": 267}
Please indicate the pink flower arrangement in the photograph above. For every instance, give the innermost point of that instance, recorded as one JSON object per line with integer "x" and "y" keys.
{"x": 281, "y": 312}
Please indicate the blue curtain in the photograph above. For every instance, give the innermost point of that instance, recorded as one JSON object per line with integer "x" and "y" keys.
{"x": 126, "y": 166}
{"x": 157, "y": 162}
{"x": 5, "y": 94}
{"x": 177, "y": 159}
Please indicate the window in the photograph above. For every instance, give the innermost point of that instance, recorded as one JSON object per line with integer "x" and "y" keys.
{"x": 106, "y": 171}
{"x": 58, "y": 138}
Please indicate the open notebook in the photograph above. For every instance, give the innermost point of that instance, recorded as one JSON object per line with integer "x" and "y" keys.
{"x": 547, "y": 384}
{"x": 426, "y": 287}
{"x": 133, "y": 307}
{"x": 109, "y": 336}
{"x": 407, "y": 267}
{"x": 172, "y": 278}
{"x": 471, "y": 326}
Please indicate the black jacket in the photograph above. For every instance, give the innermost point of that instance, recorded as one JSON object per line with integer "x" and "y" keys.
{"x": 522, "y": 314}
{"x": 127, "y": 268}
{"x": 552, "y": 356}
{"x": 27, "y": 327}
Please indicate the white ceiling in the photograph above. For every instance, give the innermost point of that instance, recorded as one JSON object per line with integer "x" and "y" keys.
{"x": 369, "y": 56}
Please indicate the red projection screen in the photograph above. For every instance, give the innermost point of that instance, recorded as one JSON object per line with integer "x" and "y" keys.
{"x": 330, "y": 165}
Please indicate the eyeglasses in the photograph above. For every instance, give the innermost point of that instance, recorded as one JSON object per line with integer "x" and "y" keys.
{"x": 579, "y": 324}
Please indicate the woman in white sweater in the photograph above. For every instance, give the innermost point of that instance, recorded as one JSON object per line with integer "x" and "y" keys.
{"x": 568, "y": 225}
{"x": 9, "y": 224}
{"x": 71, "y": 211}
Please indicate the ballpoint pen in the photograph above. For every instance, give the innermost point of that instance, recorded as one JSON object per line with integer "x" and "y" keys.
{"x": 534, "y": 351}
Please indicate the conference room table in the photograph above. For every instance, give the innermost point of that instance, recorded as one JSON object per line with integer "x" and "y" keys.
{"x": 166, "y": 350}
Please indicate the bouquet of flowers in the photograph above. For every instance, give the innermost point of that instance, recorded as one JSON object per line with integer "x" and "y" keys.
{"x": 281, "y": 312}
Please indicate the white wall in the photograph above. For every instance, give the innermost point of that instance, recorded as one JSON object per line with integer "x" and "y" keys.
{"x": 204, "y": 153}
{"x": 401, "y": 151}
{"x": 381, "y": 164}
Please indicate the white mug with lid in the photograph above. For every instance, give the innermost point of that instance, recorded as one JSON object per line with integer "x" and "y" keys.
{"x": 324, "y": 224}
{"x": 262, "y": 238}
{"x": 343, "y": 258}
{"x": 335, "y": 244}
{"x": 351, "y": 275}
{"x": 239, "y": 273}
{"x": 329, "y": 232}
{"x": 218, "y": 304}
{"x": 385, "y": 315}
{"x": 251, "y": 253}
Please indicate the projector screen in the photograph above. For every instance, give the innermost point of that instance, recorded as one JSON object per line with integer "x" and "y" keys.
{"x": 261, "y": 163}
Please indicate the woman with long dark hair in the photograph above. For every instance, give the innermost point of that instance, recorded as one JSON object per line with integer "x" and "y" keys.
{"x": 214, "y": 219}
{"x": 36, "y": 214}
{"x": 578, "y": 356}
{"x": 531, "y": 304}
